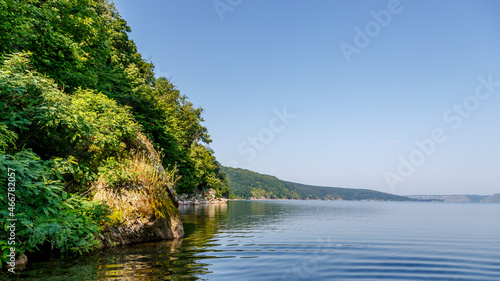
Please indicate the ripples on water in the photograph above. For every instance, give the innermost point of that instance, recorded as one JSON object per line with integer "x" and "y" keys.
{"x": 307, "y": 240}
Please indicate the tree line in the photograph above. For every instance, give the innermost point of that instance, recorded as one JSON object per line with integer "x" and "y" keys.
{"x": 245, "y": 184}
{"x": 76, "y": 98}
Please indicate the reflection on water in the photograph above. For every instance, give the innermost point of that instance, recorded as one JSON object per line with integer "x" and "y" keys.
{"x": 170, "y": 260}
{"x": 304, "y": 240}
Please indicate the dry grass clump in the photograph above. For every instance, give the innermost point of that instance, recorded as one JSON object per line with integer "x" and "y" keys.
{"x": 138, "y": 189}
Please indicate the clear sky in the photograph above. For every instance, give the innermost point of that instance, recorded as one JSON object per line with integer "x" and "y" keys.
{"x": 396, "y": 96}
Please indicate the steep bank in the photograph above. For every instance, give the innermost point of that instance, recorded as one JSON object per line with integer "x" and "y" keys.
{"x": 144, "y": 206}
{"x": 75, "y": 98}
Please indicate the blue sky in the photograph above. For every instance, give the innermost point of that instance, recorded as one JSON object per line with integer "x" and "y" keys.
{"x": 252, "y": 65}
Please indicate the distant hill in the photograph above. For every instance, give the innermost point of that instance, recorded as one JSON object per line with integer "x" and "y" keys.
{"x": 245, "y": 184}
{"x": 458, "y": 198}
{"x": 495, "y": 198}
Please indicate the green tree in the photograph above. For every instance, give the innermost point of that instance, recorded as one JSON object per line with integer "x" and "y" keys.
{"x": 79, "y": 132}
{"x": 84, "y": 45}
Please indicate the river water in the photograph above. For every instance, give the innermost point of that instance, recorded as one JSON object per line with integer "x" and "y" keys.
{"x": 306, "y": 240}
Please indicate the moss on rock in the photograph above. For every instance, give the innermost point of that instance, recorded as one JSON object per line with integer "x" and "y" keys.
{"x": 142, "y": 201}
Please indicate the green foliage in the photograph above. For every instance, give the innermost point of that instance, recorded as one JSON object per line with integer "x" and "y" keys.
{"x": 84, "y": 45}
{"x": 75, "y": 92}
{"x": 208, "y": 170}
{"x": 99, "y": 130}
{"x": 7, "y": 137}
{"x": 115, "y": 172}
{"x": 246, "y": 184}
{"x": 80, "y": 131}
{"x": 45, "y": 213}
{"x": 174, "y": 124}
{"x": 69, "y": 38}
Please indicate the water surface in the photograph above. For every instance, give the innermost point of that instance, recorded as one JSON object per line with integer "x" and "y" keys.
{"x": 307, "y": 240}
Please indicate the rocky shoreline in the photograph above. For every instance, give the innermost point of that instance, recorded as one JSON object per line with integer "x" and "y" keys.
{"x": 205, "y": 198}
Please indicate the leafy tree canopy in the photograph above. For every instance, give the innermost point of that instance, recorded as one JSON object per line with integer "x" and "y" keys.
{"x": 75, "y": 95}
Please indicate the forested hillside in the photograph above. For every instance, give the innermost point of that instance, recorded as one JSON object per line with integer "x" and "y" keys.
{"x": 246, "y": 184}
{"x": 79, "y": 107}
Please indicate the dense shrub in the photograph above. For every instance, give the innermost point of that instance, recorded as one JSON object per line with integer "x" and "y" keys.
{"x": 45, "y": 213}
{"x": 79, "y": 131}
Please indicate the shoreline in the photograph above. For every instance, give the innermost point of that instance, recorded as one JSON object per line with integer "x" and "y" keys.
{"x": 185, "y": 200}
